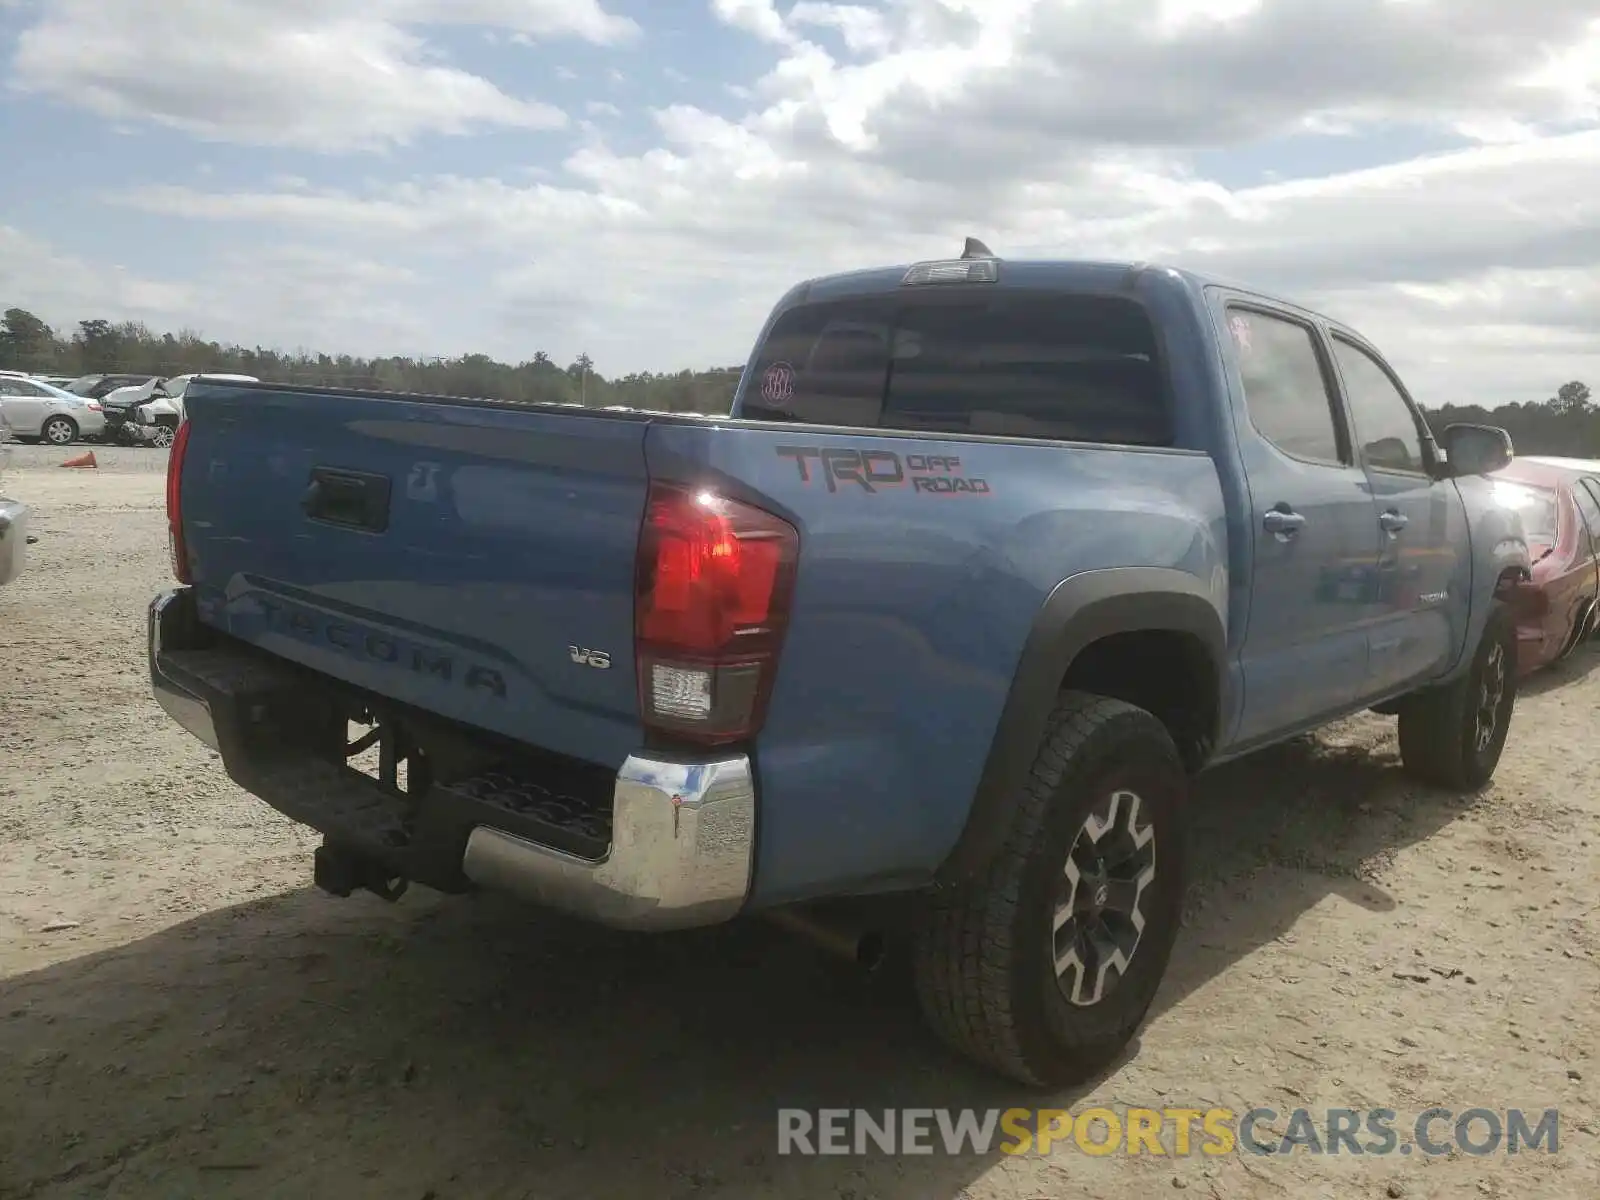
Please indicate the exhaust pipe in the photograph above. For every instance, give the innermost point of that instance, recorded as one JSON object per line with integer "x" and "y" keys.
{"x": 863, "y": 947}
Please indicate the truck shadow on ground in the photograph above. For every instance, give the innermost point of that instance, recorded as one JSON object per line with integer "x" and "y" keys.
{"x": 471, "y": 1048}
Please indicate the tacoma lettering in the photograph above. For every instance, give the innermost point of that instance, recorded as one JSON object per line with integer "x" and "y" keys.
{"x": 381, "y": 648}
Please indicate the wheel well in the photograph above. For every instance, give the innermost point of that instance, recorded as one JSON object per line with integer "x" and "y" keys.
{"x": 1167, "y": 673}
{"x": 1510, "y": 578}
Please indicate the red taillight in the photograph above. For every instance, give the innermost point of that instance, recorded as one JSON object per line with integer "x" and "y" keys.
{"x": 180, "y": 549}
{"x": 711, "y": 604}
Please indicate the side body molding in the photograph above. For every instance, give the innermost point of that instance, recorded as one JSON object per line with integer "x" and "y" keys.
{"x": 1079, "y": 611}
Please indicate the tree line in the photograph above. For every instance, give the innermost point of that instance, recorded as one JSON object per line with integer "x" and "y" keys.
{"x": 1567, "y": 424}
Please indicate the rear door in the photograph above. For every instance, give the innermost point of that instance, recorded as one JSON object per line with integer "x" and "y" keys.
{"x": 1316, "y": 543}
{"x": 24, "y": 405}
{"x": 1424, "y": 572}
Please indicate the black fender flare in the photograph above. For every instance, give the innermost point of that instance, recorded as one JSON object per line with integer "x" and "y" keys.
{"x": 1079, "y": 611}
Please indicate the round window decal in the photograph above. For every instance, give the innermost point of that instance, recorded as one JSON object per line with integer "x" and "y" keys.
{"x": 778, "y": 382}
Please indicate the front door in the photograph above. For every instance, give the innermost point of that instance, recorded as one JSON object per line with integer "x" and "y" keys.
{"x": 1424, "y": 570}
{"x": 1315, "y": 543}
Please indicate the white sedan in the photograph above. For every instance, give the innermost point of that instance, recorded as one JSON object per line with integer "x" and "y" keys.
{"x": 151, "y": 412}
{"x": 31, "y": 409}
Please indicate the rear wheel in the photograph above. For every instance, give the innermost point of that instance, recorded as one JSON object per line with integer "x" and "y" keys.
{"x": 163, "y": 436}
{"x": 1453, "y": 736}
{"x": 60, "y": 431}
{"x": 1043, "y": 967}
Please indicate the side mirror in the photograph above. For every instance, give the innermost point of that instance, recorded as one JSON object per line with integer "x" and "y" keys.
{"x": 1475, "y": 449}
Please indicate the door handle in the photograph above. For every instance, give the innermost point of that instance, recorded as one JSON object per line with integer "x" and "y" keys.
{"x": 1283, "y": 521}
{"x": 353, "y": 499}
{"x": 1393, "y": 522}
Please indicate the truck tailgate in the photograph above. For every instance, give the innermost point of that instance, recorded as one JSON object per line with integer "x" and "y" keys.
{"x": 472, "y": 560}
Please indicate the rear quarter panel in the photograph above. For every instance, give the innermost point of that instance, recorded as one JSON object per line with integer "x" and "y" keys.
{"x": 1498, "y": 545}
{"x": 910, "y": 615}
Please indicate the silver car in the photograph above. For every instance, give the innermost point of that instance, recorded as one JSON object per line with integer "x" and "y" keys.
{"x": 32, "y": 409}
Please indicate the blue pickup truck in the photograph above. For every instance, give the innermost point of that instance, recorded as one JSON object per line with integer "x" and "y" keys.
{"x": 989, "y": 560}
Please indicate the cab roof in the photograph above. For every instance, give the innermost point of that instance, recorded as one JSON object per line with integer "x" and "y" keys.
{"x": 1068, "y": 274}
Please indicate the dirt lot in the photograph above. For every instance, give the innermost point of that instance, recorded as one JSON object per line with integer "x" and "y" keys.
{"x": 182, "y": 1015}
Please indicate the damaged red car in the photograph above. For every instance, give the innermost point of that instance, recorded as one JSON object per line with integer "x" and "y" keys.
{"x": 1559, "y": 501}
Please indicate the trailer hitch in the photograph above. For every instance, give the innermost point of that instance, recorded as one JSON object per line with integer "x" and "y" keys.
{"x": 340, "y": 871}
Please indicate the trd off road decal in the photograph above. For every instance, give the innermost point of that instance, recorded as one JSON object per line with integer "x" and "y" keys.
{"x": 883, "y": 470}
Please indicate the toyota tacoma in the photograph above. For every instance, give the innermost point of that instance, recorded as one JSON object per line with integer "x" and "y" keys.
{"x": 988, "y": 560}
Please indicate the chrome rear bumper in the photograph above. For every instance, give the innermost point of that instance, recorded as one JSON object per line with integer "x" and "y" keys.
{"x": 682, "y": 838}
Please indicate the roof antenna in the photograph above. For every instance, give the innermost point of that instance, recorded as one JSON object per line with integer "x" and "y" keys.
{"x": 976, "y": 249}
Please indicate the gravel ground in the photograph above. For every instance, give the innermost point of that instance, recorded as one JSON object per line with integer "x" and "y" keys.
{"x": 120, "y": 460}
{"x": 182, "y": 1015}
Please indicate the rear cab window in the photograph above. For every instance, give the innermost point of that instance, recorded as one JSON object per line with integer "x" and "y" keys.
{"x": 1008, "y": 363}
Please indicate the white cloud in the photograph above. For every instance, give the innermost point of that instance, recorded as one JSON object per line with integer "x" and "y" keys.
{"x": 758, "y": 17}
{"x": 316, "y": 298}
{"x": 54, "y": 286}
{"x": 1053, "y": 129}
{"x": 863, "y": 30}
{"x": 306, "y": 296}
{"x": 1514, "y": 227}
{"x": 321, "y": 74}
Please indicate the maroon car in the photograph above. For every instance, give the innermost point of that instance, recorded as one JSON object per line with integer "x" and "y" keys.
{"x": 1559, "y": 500}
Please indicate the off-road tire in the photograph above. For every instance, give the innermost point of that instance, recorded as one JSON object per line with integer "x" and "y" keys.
{"x": 1439, "y": 726}
{"x": 982, "y": 957}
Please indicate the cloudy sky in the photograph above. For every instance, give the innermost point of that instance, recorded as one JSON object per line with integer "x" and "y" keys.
{"x": 641, "y": 179}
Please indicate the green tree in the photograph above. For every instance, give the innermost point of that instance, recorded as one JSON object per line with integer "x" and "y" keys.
{"x": 99, "y": 345}
{"x": 1572, "y": 399}
{"x": 26, "y": 342}
{"x": 1568, "y": 424}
